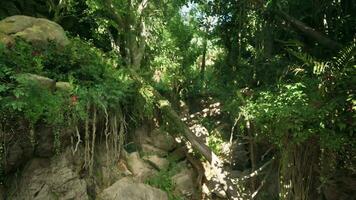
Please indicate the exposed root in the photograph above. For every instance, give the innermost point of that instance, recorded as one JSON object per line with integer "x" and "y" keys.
{"x": 106, "y": 133}
{"x": 121, "y": 137}
{"x": 114, "y": 131}
{"x": 93, "y": 142}
{"x": 87, "y": 144}
{"x": 75, "y": 149}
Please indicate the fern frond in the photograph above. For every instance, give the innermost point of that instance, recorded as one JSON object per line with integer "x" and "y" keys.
{"x": 304, "y": 57}
{"x": 320, "y": 67}
{"x": 345, "y": 56}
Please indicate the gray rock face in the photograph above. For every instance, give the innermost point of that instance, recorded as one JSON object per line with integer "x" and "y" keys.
{"x": 128, "y": 189}
{"x": 43, "y": 179}
{"x": 37, "y": 31}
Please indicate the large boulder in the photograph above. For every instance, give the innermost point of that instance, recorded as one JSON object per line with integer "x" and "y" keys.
{"x": 128, "y": 189}
{"x": 37, "y": 31}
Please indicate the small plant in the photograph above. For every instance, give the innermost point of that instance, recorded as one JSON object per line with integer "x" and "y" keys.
{"x": 163, "y": 180}
{"x": 215, "y": 142}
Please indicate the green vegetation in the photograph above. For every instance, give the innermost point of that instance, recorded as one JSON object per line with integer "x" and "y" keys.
{"x": 283, "y": 71}
{"x": 163, "y": 180}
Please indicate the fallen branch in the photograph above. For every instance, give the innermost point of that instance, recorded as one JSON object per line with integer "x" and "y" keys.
{"x": 257, "y": 171}
{"x": 255, "y": 193}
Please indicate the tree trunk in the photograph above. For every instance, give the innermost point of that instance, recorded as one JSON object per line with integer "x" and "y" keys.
{"x": 203, "y": 61}
{"x": 132, "y": 28}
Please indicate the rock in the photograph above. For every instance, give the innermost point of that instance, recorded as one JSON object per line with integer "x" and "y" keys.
{"x": 185, "y": 183}
{"x": 64, "y": 86}
{"x": 128, "y": 189}
{"x": 37, "y": 31}
{"x": 157, "y": 162}
{"x": 163, "y": 140}
{"x": 148, "y": 149}
{"x": 43, "y": 179}
{"x": 41, "y": 81}
{"x": 139, "y": 167}
{"x": 123, "y": 169}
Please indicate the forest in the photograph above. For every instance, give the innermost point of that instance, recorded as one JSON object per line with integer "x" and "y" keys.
{"x": 177, "y": 100}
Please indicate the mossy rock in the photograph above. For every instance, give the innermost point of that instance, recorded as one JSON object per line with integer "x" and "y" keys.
{"x": 37, "y": 31}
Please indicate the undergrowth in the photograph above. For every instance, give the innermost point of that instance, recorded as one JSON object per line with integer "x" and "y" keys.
{"x": 163, "y": 179}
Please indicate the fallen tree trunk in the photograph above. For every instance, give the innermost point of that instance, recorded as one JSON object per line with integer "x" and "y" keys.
{"x": 221, "y": 174}
{"x": 310, "y": 32}
{"x": 307, "y": 30}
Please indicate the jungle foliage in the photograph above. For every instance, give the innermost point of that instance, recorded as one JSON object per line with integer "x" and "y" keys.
{"x": 283, "y": 70}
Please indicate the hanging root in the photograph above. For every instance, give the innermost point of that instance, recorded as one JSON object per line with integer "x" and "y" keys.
{"x": 87, "y": 145}
{"x": 114, "y": 132}
{"x": 75, "y": 149}
{"x": 91, "y": 162}
{"x": 121, "y": 136}
{"x": 32, "y": 136}
{"x": 114, "y": 137}
{"x": 106, "y": 133}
